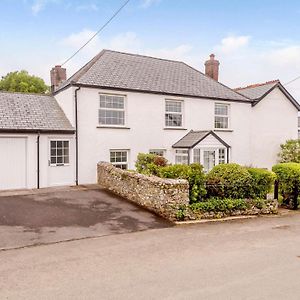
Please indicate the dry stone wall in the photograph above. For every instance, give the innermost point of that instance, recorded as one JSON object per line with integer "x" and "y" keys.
{"x": 162, "y": 196}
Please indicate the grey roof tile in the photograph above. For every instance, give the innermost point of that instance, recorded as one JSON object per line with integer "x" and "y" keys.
{"x": 31, "y": 112}
{"x": 257, "y": 91}
{"x": 111, "y": 69}
{"x": 191, "y": 138}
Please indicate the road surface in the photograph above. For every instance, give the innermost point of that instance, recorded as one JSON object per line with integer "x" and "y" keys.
{"x": 248, "y": 259}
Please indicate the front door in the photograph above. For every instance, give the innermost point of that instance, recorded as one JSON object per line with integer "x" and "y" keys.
{"x": 61, "y": 162}
{"x": 209, "y": 159}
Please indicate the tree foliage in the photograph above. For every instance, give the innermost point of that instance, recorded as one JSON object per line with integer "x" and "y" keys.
{"x": 290, "y": 152}
{"x": 23, "y": 82}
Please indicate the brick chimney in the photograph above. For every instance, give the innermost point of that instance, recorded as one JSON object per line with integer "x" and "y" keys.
{"x": 57, "y": 75}
{"x": 212, "y": 67}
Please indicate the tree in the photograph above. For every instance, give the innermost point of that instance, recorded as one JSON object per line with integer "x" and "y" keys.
{"x": 290, "y": 151}
{"x": 21, "y": 81}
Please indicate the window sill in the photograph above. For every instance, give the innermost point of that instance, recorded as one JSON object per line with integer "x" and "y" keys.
{"x": 174, "y": 128}
{"x": 223, "y": 130}
{"x": 113, "y": 127}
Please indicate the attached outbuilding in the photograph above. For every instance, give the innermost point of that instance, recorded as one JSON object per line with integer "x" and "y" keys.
{"x": 37, "y": 144}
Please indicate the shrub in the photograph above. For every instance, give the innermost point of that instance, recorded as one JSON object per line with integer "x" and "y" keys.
{"x": 193, "y": 173}
{"x": 261, "y": 183}
{"x": 288, "y": 175}
{"x": 290, "y": 151}
{"x": 149, "y": 164}
{"x": 229, "y": 181}
{"x": 219, "y": 205}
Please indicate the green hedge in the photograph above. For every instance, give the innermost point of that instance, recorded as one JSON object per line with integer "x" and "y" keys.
{"x": 262, "y": 182}
{"x": 216, "y": 205}
{"x": 288, "y": 175}
{"x": 229, "y": 181}
{"x": 149, "y": 164}
{"x": 193, "y": 173}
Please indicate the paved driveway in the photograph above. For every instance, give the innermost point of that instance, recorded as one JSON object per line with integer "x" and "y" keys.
{"x": 61, "y": 215}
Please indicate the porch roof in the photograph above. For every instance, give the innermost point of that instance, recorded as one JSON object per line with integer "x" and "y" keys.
{"x": 192, "y": 138}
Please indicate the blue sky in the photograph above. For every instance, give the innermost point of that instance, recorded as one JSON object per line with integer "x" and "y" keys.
{"x": 255, "y": 41}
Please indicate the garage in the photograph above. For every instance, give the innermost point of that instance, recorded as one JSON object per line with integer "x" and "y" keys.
{"x": 29, "y": 125}
{"x": 13, "y": 162}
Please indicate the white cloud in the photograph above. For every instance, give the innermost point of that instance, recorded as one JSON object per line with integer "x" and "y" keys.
{"x": 87, "y": 7}
{"x": 39, "y": 5}
{"x": 148, "y": 3}
{"x": 232, "y": 43}
{"x": 284, "y": 56}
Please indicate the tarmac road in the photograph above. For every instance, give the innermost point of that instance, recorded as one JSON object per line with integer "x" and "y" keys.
{"x": 247, "y": 259}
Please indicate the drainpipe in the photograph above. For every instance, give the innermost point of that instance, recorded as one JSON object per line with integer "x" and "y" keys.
{"x": 76, "y": 136}
{"x": 38, "y": 159}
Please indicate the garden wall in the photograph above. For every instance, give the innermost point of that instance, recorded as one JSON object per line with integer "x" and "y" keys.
{"x": 162, "y": 196}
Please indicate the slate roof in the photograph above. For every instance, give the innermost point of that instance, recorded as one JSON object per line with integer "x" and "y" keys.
{"x": 32, "y": 112}
{"x": 117, "y": 70}
{"x": 192, "y": 138}
{"x": 257, "y": 91}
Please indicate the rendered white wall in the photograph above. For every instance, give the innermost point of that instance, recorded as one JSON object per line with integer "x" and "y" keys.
{"x": 145, "y": 118}
{"x": 274, "y": 120}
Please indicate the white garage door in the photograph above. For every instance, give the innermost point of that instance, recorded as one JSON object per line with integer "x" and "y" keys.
{"x": 13, "y": 152}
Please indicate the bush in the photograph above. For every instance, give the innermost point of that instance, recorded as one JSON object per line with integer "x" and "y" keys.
{"x": 262, "y": 182}
{"x": 219, "y": 205}
{"x": 193, "y": 173}
{"x": 288, "y": 175}
{"x": 290, "y": 152}
{"x": 229, "y": 181}
{"x": 149, "y": 164}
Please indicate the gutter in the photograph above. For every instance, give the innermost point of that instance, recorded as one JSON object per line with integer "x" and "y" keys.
{"x": 76, "y": 135}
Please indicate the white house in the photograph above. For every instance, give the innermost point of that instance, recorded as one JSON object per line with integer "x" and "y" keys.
{"x": 120, "y": 104}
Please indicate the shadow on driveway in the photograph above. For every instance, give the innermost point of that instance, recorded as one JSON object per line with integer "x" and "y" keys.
{"x": 66, "y": 215}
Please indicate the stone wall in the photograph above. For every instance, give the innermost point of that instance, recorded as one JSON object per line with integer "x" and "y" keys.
{"x": 168, "y": 198}
{"x": 162, "y": 196}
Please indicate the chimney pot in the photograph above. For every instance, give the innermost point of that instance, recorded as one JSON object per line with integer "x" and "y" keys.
{"x": 57, "y": 75}
{"x": 212, "y": 67}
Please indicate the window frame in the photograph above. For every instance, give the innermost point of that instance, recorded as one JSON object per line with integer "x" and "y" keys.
{"x": 63, "y": 155}
{"x": 222, "y": 116}
{"x": 153, "y": 150}
{"x": 112, "y": 109}
{"x": 181, "y": 101}
{"x": 185, "y": 155}
{"x": 120, "y": 163}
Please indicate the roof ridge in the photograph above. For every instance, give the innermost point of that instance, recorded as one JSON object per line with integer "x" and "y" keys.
{"x": 257, "y": 85}
{"x": 144, "y": 55}
{"x": 23, "y": 93}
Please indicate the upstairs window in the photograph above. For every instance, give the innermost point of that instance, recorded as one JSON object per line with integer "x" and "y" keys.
{"x": 119, "y": 158}
{"x": 112, "y": 110}
{"x": 173, "y": 113}
{"x": 221, "y": 116}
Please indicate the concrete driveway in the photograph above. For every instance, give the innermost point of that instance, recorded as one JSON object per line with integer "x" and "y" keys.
{"x": 60, "y": 215}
